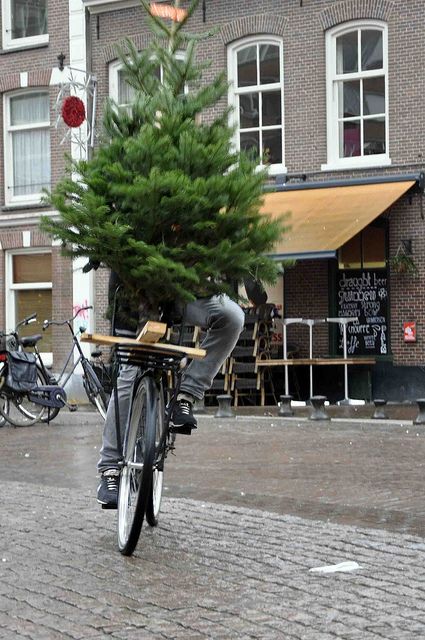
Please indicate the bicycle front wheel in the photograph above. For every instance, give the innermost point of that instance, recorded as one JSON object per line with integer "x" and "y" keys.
{"x": 94, "y": 390}
{"x": 139, "y": 458}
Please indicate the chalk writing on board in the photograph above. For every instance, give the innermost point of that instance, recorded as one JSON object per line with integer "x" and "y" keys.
{"x": 363, "y": 294}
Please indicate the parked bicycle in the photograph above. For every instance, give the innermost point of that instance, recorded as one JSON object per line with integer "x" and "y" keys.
{"x": 26, "y": 392}
{"x": 40, "y": 396}
{"x": 91, "y": 383}
{"x": 148, "y": 437}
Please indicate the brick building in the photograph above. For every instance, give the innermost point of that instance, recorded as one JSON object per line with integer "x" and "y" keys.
{"x": 34, "y": 276}
{"x": 331, "y": 89}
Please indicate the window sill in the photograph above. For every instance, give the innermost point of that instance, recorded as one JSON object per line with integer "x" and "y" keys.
{"x": 12, "y": 48}
{"x": 368, "y": 163}
{"x": 274, "y": 169}
{"x": 23, "y": 207}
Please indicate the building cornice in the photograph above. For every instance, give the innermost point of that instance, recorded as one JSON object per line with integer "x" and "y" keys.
{"x": 102, "y": 6}
{"x": 24, "y": 219}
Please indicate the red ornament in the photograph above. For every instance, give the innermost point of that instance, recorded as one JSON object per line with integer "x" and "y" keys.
{"x": 73, "y": 111}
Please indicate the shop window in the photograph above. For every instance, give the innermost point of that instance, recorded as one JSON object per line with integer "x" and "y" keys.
{"x": 24, "y": 23}
{"x": 29, "y": 290}
{"x": 362, "y": 293}
{"x": 357, "y": 95}
{"x": 366, "y": 250}
{"x": 27, "y": 146}
{"x": 255, "y": 69}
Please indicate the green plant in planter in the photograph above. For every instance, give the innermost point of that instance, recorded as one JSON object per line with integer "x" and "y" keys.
{"x": 402, "y": 262}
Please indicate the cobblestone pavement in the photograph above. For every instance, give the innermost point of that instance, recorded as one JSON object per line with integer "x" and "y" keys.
{"x": 215, "y": 568}
{"x": 207, "y": 571}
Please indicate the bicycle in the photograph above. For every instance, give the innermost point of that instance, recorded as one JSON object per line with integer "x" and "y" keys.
{"x": 148, "y": 437}
{"x": 26, "y": 392}
{"x": 91, "y": 383}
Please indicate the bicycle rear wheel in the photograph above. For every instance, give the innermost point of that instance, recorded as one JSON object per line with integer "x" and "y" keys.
{"x": 94, "y": 390}
{"x": 21, "y": 411}
{"x": 4, "y": 410}
{"x": 155, "y": 495}
{"x": 139, "y": 457}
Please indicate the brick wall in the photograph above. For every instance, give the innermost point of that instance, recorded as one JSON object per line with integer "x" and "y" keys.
{"x": 37, "y": 63}
{"x": 308, "y": 276}
{"x": 407, "y": 291}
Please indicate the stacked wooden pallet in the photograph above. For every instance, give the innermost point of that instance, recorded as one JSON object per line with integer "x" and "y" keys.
{"x": 221, "y": 382}
{"x": 248, "y": 382}
{"x": 239, "y": 375}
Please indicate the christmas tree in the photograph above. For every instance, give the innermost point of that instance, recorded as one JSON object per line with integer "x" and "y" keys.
{"x": 165, "y": 201}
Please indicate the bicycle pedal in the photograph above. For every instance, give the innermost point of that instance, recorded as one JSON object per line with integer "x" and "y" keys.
{"x": 73, "y": 407}
{"x": 184, "y": 430}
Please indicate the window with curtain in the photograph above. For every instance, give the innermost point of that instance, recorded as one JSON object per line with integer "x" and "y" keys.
{"x": 256, "y": 74}
{"x": 27, "y": 153}
{"x": 29, "y": 279}
{"x": 24, "y": 22}
{"x": 357, "y": 69}
{"x": 29, "y": 18}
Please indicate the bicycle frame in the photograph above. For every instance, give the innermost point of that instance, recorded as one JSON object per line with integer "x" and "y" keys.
{"x": 64, "y": 376}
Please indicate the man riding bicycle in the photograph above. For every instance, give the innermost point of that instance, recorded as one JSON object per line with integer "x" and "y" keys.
{"x": 223, "y": 321}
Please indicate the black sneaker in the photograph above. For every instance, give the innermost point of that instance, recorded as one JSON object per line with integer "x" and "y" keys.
{"x": 107, "y": 491}
{"x": 183, "y": 420}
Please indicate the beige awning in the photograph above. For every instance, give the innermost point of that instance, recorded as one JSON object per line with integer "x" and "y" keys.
{"x": 322, "y": 219}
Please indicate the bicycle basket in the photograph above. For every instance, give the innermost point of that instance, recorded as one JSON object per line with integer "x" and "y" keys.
{"x": 21, "y": 371}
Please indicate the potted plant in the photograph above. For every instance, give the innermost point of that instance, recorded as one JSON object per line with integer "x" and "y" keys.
{"x": 403, "y": 262}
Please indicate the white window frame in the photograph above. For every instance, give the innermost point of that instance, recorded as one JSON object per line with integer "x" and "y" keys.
{"x": 117, "y": 65}
{"x": 234, "y": 92}
{"x": 11, "y": 288}
{"x": 332, "y": 78}
{"x": 17, "y": 43}
{"x": 114, "y": 69}
{"x": 10, "y": 199}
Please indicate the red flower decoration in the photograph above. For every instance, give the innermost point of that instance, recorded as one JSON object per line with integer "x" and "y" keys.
{"x": 73, "y": 111}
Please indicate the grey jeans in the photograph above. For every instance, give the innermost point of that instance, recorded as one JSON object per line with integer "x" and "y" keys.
{"x": 224, "y": 320}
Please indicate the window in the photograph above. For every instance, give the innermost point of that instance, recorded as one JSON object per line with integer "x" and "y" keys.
{"x": 357, "y": 96}
{"x": 366, "y": 250}
{"x": 120, "y": 91}
{"x": 29, "y": 290}
{"x": 255, "y": 70}
{"x": 24, "y": 23}
{"x": 27, "y": 146}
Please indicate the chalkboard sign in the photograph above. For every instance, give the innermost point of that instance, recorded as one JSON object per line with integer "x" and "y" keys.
{"x": 363, "y": 294}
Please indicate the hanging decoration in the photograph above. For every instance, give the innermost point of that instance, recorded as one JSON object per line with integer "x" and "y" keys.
{"x": 167, "y": 11}
{"x": 75, "y": 109}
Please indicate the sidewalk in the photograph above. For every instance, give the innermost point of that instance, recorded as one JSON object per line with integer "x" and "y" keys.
{"x": 251, "y": 504}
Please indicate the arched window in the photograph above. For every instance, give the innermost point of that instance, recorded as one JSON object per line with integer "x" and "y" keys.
{"x": 255, "y": 69}
{"x": 357, "y": 95}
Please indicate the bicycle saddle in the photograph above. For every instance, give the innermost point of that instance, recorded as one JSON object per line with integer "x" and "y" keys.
{"x": 30, "y": 341}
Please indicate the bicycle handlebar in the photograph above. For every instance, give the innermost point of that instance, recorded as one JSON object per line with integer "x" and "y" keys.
{"x": 28, "y": 320}
{"x": 47, "y": 323}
